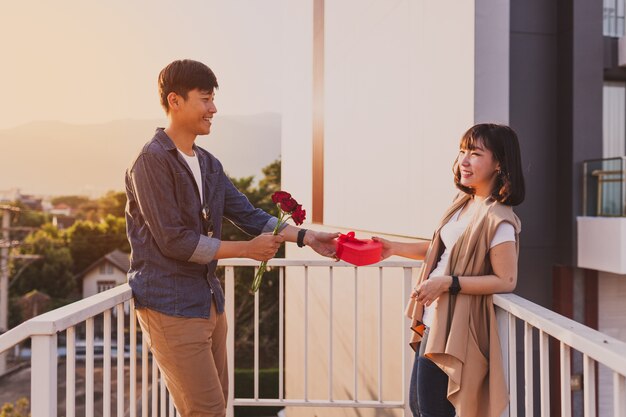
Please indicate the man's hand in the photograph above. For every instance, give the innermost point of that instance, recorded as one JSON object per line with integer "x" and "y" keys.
{"x": 321, "y": 242}
{"x": 263, "y": 247}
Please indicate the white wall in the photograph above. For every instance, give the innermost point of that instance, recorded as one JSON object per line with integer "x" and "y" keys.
{"x": 400, "y": 79}
{"x": 297, "y": 115}
{"x": 399, "y": 94}
{"x": 90, "y": 281}
{"x": 611, "y": 321}
{"x": 602, "y": 243}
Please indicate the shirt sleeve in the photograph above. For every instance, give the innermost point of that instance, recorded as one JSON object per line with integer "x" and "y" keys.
{"x": 239, "y": 210}
{"x": 504, "y": 233}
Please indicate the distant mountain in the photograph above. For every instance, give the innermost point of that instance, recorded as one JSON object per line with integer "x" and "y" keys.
{"x": 54, "y": 158}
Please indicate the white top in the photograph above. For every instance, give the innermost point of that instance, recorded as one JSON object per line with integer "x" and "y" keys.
{"x": 194, "y": 164}
{"x": 449, "y": 234}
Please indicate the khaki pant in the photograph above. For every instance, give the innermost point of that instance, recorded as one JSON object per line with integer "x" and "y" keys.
{"x": 191, "y": 353}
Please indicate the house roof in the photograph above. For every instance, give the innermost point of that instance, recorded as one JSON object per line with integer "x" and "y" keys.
{"x": 119, "y": 259}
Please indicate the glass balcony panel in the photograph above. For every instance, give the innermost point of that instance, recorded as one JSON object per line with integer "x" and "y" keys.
{"x": 605, "y": 187}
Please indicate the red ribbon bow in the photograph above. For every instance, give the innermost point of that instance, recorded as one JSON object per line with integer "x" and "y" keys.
{"x": 349, "y": 238}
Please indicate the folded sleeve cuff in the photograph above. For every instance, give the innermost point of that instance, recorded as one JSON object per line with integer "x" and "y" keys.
{"x": 271, "y": 224}
{"x": 205, "y": 250}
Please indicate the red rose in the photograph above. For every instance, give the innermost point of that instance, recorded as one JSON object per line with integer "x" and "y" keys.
{"x": 289, "y": 208}
{"x": 280, "y": 196}
{"x": 298, "y": 215}
{"x": 289, "y": 205}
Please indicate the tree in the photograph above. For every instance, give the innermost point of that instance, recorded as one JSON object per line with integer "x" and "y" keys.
{"x": 112, "y": 203}
{"x": 20, "y": 409}
{"x": 73, "y": 201}
{"x": 88, "y": 211}
{"x": 26, "y": 217}
{"x": 270, "y": 183}
{"x": 52, "y": 274}
{"x": 244, "y": 301}
{"x": 88, "y": 241}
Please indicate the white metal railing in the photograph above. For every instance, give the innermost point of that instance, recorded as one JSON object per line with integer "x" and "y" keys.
{"x": 154, "y": 400}
{"x": 44, "y": 330}
{"x": 305, "y": 401}
{"x": 595, "y": 348}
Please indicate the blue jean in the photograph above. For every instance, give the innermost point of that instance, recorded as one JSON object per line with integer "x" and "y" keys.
{"x": 428, "y": 389}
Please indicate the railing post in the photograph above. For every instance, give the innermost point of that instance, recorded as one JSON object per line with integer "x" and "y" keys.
{"x": 566, "y": 375}
{"x": 43, "y": 382}
{"x": 544, "y": 372}
{"x": 406, "y": 332}
{"x": 589, "y": 386}
{"x": 230, "y": 337}
{"x": 623, "y": 185}
{"x": 619, "y": 395}
{"x": 502, "y": 318}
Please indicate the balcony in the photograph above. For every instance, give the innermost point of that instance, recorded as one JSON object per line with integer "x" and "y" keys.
{"x": 602, "y": 228}
{"x": 365, "y": 382}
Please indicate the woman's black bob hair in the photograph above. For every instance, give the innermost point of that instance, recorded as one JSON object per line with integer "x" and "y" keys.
{"x": 509, "y": 188}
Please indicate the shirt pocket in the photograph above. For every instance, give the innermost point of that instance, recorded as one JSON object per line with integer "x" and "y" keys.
{"x": 186, "y": 189}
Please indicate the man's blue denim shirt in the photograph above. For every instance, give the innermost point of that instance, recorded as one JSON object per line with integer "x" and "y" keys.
{"x": 172, "y": 265}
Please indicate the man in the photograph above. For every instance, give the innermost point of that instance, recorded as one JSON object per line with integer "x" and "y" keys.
{"x": 178, "y": 195}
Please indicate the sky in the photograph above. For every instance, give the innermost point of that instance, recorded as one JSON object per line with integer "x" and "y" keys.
{"x": 82, "y": 61}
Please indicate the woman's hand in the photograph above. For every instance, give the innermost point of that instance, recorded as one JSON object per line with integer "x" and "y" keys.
{"x": 429, "y": 290}
{"x": 388, "y": 247}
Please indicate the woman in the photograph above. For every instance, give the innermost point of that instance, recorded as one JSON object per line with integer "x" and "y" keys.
{"x": 458, "y": 364}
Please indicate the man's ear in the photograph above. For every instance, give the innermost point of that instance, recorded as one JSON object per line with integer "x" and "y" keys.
{"x": 173, "y": 100}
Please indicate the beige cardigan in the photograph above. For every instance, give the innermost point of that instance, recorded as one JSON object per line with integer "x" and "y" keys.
{"x": 470, "y": 353}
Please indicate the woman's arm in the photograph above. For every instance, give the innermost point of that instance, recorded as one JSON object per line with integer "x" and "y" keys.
{"x": 504, "y": 279}
{"x": 411, "y": 250}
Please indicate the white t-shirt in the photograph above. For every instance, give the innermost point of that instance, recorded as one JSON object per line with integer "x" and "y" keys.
{"x": 449, "y": 234}
{"x": 194, "y": 164}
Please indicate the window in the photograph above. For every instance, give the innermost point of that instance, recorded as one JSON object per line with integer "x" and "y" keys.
{"x": 613, "y": 119}
{"x": 106, "y": 269}
{"x": 613, "y": 19}
{"x": 106, "y": 285}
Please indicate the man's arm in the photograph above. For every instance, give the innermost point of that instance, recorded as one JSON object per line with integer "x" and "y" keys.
{"x": 239, "y": 210}
{"x": 261, "y": 248}
{"x": 153, "y": 189}
{"x": 252, "y": 220}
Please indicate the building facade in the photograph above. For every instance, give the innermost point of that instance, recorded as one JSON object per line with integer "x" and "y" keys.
{"x": 377, "y": 96}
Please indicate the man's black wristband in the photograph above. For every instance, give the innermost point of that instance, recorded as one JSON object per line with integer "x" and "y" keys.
{"x": 300, "y": 240}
